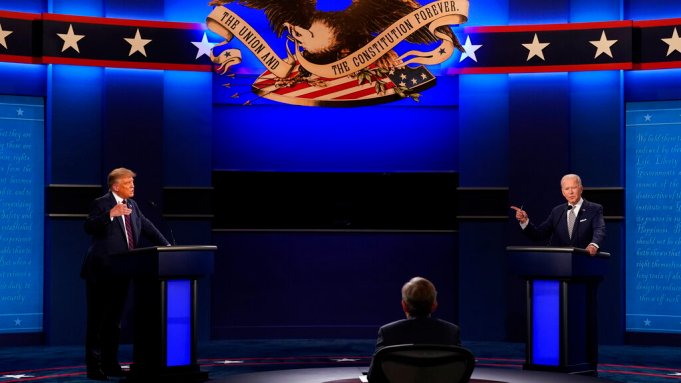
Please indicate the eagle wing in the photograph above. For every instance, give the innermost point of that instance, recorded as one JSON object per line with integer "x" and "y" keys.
{"x": 280, "y": 12}
{"x": 374, "y": 16}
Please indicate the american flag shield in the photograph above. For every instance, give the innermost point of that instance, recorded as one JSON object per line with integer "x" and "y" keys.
{"x": 366, "y": 87}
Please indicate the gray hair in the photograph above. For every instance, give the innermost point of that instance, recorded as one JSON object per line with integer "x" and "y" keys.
{"x": 579, "y": 180}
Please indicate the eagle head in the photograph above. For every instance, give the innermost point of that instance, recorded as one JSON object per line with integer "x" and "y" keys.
{"x": 319, "y": 39}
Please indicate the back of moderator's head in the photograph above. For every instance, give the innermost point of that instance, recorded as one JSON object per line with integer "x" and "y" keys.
{"x": 419, "y": 295}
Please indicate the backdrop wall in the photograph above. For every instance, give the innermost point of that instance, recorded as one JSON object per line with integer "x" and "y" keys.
{"x": 510, "y": 137}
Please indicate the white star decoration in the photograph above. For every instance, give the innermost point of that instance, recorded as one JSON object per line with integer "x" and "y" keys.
{"x": 17, "y": 322}
{"x": 647, "y": 118}
{"x": 137, "y": 44}
{"x": 204, "y": 46}
{"x": 647, "y": 322}
{"x": 20, "y": 112}
{"x": 674, "y": 42}
{"x": 3, "y": 35}
{"x": 603, "y": 45}
{"x": 536, "y": 48}
{"x": 70, "y": 39}
{"x": 469, "y": 50}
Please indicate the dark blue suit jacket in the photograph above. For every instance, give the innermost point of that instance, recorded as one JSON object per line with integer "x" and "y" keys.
{"x": 424, "y": 330}
{"x": 589, "y": 227}
{"x": 108, "y": 236}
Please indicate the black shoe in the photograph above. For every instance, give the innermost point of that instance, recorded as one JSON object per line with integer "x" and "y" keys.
{"x": 96, "y": 374}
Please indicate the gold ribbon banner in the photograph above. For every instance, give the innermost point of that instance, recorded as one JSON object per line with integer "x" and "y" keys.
{"x": 438, "y": 13}
{"x": 228, "y": 24}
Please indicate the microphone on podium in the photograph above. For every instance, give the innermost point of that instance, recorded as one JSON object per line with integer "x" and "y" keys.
{"x": 160, "y": 213}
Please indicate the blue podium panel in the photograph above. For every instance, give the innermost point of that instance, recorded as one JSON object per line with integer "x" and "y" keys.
{"x": 545, "y": 317}
{"x": 178, "y": 323}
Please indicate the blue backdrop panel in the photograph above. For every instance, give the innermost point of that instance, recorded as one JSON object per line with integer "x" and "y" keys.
{"x": 539, "y": 139}
{"x": 132, "y": 130}
{"x": 190, "y": 11}
{"x": 582, "y": 11}
{"x": 483, "y": 281}
{"x": 322, "y": 139}
{"x": 596, "y": 127}
{"x": 31, "y": 6}
{"x": 187, "y": 128}
{"x": 22, "y": 79}
{"x": 651, "y": 9}
{"x": 652, "y": 85}
{"x": 75, "y": 118}
{"x": 134, "y": 9}
{"x": 22, "y": 121}
{"x": 93, "y": 8}
{"x": 65, "y": 304}
{"x": 332, "y": 285}
{"x": 483, "y": 137}
{"x": 610, "y": 291}
{"x": 653, "y": 224}
{"x": 487, "y": 12}
{"x": 538, "y": 12}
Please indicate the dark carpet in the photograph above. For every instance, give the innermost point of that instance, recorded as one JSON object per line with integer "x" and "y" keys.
{"x": 630, "y": 364}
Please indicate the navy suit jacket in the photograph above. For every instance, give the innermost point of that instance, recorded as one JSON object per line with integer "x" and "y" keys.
{"x": 425, "y": 330}
{"x": 108, "y": 236}
{"x": 589, "y": 227}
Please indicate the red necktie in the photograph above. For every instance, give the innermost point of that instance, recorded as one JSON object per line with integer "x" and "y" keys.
{"x": 128, "y": 229}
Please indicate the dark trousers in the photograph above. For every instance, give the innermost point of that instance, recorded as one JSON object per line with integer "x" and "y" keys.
{"x": 105, "y": 303}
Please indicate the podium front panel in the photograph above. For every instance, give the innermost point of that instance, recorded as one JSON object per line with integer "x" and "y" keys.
{"x": 178, "y": 335}
{"x": 545, "y": 322}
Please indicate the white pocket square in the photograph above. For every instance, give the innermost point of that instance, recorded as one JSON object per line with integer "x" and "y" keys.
{"x": 582, "y": 220}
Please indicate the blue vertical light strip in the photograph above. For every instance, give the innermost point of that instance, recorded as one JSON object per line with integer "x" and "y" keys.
{"x": 178, "y": 323}
{"x": 545, "y": 322}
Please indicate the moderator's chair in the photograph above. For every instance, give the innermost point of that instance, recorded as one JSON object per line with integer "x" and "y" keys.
{"x": 425, "y": 363}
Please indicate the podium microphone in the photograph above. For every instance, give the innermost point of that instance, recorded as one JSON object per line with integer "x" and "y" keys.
{"x": 160, "y": 213}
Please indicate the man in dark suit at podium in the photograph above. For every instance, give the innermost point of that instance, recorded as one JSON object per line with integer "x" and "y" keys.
{"x": 116, "y": 225}
{"x": 579, "y": 223}
{"x": 419, "y": 301}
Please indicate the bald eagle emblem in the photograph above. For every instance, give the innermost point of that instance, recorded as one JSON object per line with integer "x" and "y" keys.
{"x": 371, "y": 52}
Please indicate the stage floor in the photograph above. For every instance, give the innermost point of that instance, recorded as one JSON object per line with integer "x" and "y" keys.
{"x": 352, "y": 375}
{"x": 234, "y": 361}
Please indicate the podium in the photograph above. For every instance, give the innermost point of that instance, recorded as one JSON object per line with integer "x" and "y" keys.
{"x": 165, "y": 285}
{"x": 562, "y": 326}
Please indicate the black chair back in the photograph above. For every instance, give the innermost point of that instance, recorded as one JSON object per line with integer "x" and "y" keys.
{"x": 425, "y": 363}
